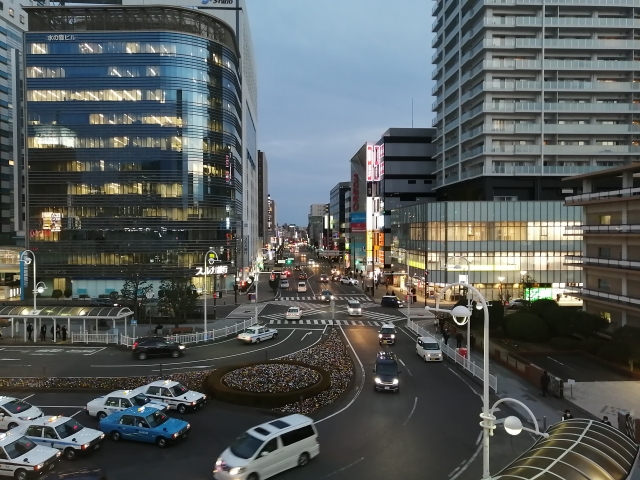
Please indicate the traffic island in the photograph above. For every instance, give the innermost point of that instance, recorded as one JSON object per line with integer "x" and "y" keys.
{"x": 301, "y": 382}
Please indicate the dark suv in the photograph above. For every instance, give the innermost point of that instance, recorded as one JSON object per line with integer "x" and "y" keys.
{"x": 391, "y": 301}
{"x": 387, "y": 373}
{"x": 387, "y": 334}
{"x": 148, "y": 346}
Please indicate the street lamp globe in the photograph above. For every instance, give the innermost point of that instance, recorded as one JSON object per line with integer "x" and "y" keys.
{"x": 460, "y": 312}
{"x": 512, "y": 425}
{"x": 40, "y": 289}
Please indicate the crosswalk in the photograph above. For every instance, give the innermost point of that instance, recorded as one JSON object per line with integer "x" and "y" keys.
{"x": 245, "y": 312}
{"x": 367, "y": 316}
{"x": 361, "y": 323}
{"x": 356, "y": 298}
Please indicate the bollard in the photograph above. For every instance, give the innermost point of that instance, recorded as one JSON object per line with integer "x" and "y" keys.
{"x": 544, "y": 423}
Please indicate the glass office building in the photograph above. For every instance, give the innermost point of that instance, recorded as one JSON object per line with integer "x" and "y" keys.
{"x": 134, "y": 143}
{"x": 504, "y": 244}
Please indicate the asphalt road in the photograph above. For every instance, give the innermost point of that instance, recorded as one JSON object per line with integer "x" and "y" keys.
{"x": 576, "y": 367}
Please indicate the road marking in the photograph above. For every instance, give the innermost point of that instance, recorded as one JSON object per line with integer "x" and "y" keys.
{"x": 344, "y": 468}
{"x": 99, "y": 350}
{"x": 359, "y": 388}
{"x": 554, "y": 360}
{"x": 305, "y": 336}
{"x": 415, "y": 402}
{"x": 403, "y": 364}
{"x": 60, "y": 406}
{"x": 195, "y": 361}
{"x": 465, "y": 382}
{"x": 479, "y": 438}
{"x": 74, "y": 414}
{"x": 181, "y": 368}
{"x": 28, "y": 397}
{"x": 7, "y": 359}
{"x": 460, "y": 470}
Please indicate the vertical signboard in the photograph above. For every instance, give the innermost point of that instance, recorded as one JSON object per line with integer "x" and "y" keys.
{"x": 370, "y": 159}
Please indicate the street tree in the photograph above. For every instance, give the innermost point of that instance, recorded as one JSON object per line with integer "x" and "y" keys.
{"x": 178, "y": 297}
{"x": 134, "y": 293}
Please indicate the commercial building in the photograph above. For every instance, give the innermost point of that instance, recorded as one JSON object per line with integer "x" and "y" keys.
{"x": 316, "y": 223}
{"x": 337, "y": 217}
{"x": 610, "y": 256}
{"x": 141, "y": 142}
{"x": 263, "y": 198}
{"x": 272, "y": 225}
{"x": 505, "y": 249}
{"x": 358, "y": 215}
{"x": 530, "y": 91}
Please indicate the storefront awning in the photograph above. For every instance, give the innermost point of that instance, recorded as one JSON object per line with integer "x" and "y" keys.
{"x": 576, "y": 450}
{"x": 26, "y": 312}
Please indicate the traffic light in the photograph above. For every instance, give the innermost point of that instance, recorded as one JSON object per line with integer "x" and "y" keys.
{"x": 289, "y": 261}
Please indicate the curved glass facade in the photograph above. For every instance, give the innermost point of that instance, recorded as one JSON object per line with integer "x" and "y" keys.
{"x": 134, "y": 141}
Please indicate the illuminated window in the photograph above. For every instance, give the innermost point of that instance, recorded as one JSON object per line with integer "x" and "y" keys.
{"x": 605, "y": 219}
{"x": 39, "y": 48}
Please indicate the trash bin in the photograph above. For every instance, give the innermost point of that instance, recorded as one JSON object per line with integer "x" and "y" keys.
{"x": 556, "y": 386}
{"x": 462, "y": 352}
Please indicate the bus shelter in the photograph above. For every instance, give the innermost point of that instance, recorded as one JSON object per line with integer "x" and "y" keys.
{"x": 576, "y": 450}
{"x": 22, "y": 315}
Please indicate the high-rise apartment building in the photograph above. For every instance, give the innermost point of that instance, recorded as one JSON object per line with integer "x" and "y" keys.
{"x": 272, "y": 225}
{"x": 316, "y": 224}
{"x": 263, "y": 197}
{"x": 141, "y": 142}
{"x": 529, "y": 91}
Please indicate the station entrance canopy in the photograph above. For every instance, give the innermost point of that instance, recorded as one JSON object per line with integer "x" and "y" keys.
{"x": 59, "y": 313}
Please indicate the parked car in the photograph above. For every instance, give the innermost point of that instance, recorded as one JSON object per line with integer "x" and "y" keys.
{"x": 156, "y": 346}
{"x": 348, "y": 281}
{"x": 257, "y": 333}
{"x": 391, "y": 301}
{"x": 518, "y": 303}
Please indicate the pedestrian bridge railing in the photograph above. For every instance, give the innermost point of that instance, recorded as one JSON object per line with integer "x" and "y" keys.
{"x": 473, "y": 369}
{"x": 94, "y": 337}
{"x": 200, "y": 336}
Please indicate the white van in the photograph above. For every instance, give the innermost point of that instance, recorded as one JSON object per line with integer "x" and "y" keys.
{"x": 428, "y": 348}
{"x": 302, "y": 286}
{"x": 268, "y": 449}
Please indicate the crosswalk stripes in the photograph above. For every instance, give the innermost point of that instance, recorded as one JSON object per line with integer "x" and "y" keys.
{"x": 246, "y": 311}
{"x": 356, "y": 298}
{"x": 355, "y": 323}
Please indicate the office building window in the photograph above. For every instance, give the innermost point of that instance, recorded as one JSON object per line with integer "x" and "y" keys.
{"x": 603, "y": 284}
{"x": 604, "y": 252}
{"x": 605, "y": 219}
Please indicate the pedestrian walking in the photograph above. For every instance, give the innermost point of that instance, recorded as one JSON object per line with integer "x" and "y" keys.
{"x": 472, "y": 342}
{"x": 545, "y": 380}
{"x": 441, "y": 323}
{"x": 567, "y": 415}
{"x": 43, "y": 332}
{"x": 459, "y": 339}
{"x": 393, "y": 292}
{"x": 58, "y": 331}
{"x": 445, "y": 336}
{"x": 64, "y": 333}
{"x": 606, "y": 421}
{"x": 30, "y": 330}
{"x": 51, "y": 330}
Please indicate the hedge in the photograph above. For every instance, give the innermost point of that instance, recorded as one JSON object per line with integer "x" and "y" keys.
{"x": 215, "y": 387}
{"x": 526, "y": 327}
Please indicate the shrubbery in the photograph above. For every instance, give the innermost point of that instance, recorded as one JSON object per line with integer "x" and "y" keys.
{"x": 526, "y": 327}
{"x": 56, "y": 294}
{"x": 564, "y": 343}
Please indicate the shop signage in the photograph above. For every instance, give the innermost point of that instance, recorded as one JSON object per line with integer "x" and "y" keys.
{"x": 212, "y": 270}
{"x": 355, "y": 193}
{"x": 369, "y": 163}
{"x": 61, "y": 38}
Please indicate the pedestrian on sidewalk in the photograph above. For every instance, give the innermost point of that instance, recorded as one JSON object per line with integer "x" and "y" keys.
{"x": 30, "y": 330}
{"x": 545, "y": 380}
{"x": 445, "y": 336}
{"x": 441, "y": 324}
{"x": 58, "y": 331}
{"x": 472, "y": 342}
{"x": 51, "y": 330}
{"x": 606, "y": 421}
{"x": 43, "y": 332}
{"x": 459, "y": 339}
{"x": 567, "y": 415}
{"x": 64, "y": 333}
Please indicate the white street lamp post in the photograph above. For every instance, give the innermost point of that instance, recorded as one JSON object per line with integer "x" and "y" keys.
{"x": 256, "y": 283}
{"x": 458, "y": 267}
{"x": 204, "y": 290}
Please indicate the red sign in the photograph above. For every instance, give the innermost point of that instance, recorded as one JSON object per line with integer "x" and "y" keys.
{"x": 355, "y": 193}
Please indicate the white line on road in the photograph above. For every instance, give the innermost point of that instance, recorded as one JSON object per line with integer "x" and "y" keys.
{"x": 8, "y": 359}
{"x": 197, "y": 361}
{"x": 344, "y": 468}
{"x": 554, "y": 360}
{"x": 415, "y": 402}
{"x": 182, "y": 368}
{"x": 465, "y": 382}
{"x": 304, "y": 336}
{"x": 28, "y": 397}
{"x": 403, "y": 364}
{"x": 60, "y": 406}
{"x": 359, "y": 388}
{"x": 466, "y": 465}
{"x": 74, "y": 414}
{"x": 99, "y": 350}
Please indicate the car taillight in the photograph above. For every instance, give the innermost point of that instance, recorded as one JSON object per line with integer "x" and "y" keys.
{"x": 135, "y": 345}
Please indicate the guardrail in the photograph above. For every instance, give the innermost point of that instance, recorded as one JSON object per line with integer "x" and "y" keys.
{"x": 465, "y": 363}
{"x": 200, "y": 336}
{"x": 94, "y": 338}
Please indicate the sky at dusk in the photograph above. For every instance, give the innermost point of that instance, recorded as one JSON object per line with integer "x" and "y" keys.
{"x": 333, "y": 74}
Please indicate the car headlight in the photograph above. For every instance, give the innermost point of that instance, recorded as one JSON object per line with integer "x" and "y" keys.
{"x": 237, "y": 470}
{"x": 332, "y": 297}
{"x": 218, "y": 462}
{"x": 175, "y": 435}
{"x": 25, "y": 419}
{"x": 393, "y": 335}
{"x": 181, "y": 347}
{"x": 395, "y": 381}
{"x": 379, "y": 335}
{"x": 85, "y": 446}
{"x": 377, "y": 380}
{"x": 39, "y": 466}
{"x": 101, "y": 436}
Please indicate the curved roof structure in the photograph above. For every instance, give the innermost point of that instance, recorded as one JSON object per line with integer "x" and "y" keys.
{"x": 576, "y": 450}
{"x": 115, "y": 313}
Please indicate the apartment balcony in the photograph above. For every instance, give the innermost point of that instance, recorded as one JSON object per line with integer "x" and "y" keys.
{"x": 451, "y": 125}
{"x": 472, "y": 172}
{"x": 451, "y": 108}
{"x": 579, "y": 260}
{"x": 609, "y": 229}
{"x": 451, "y": 71}
{"x": 450, "y": 179}
{"x": 562, "y": 22}
{"x": 450, "y": 54}
{"x": 621, "y": 300}
{"x": 595, "y": 3}
{"x": 546, "y": 170}
{"x": 451, "y": 89}
{"x": 449, "y": 162}
{"x": 453, "y": 33}
{"x": 587, "y": 150}
{"x": 451, "y": 144}
{"x": 597, "y": 197}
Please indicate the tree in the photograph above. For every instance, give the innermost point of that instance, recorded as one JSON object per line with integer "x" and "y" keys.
{"x": 178, "y": 297}
{"x": 134, "y": 293}
{"x": 626, "y": 341}
{"x": 527, "y": 282}
{"x": 527, "y": 327}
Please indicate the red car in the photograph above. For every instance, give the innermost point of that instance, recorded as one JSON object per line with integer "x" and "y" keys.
{"x": 302, "y": 276}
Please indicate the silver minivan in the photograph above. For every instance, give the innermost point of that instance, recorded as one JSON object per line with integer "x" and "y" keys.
{"x": 268, "y": 449}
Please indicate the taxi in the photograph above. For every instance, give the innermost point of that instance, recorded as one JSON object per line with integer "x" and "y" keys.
{"x": 15, "y": 412}
{"x": 64, "y": 434}
{"x": 257, "y": 333}
{"x": 174, "y": 395}
{"x": 21, "y": 458}
{"x": 119, "y": 400}
{"x": 294, "y": 313}
{"x": 146, "y": 424}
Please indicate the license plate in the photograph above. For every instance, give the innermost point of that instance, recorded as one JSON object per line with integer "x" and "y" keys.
{"x": 386, "y": 388}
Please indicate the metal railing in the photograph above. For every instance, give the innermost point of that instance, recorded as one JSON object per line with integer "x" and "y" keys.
{"x": 200, "y": 336}
{"x": 94, "y": 337}
{"x": 465, "y": 363}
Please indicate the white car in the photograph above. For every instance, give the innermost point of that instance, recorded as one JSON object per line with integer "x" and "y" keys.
{"x": 284, "y": 283}
{"x": 257, "y": 334}
{"x": 119, "y": 400}
{"x": 22, "y": 458}
{"x": 15, "y": 412}
{"x": 348, "y": 281}
{"x": 428, "y": 349}
{"x": 354, "y": 308}
{"x": 294, "y": 313}
{"x": 302, "y": 286}
{"x": 63, "y": 433}
{"x": 174, "y": 394}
